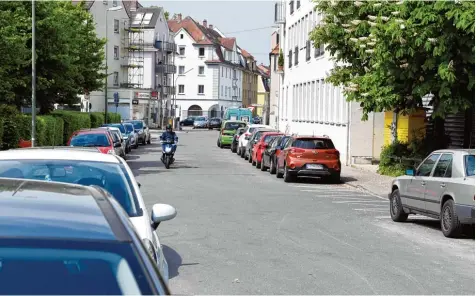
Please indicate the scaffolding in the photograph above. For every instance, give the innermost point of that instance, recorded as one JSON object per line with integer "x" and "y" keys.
{"x": 133, "y": 60}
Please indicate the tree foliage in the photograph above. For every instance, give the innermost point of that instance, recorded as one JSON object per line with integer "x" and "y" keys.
{"x": 70, "y": 56}
{"x": 390, "y": 54}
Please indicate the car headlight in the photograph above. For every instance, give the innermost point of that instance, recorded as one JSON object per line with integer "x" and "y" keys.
{"x": 150, "y": 248}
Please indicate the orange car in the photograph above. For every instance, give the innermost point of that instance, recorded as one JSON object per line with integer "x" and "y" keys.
{"x": 309, "y": 156}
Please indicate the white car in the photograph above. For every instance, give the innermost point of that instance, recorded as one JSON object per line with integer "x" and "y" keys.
{"x": 243, "y": 140}
{"x": 91, "y": 168}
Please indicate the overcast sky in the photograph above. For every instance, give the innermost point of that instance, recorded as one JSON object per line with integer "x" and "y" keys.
{"x": 231, "y": 17}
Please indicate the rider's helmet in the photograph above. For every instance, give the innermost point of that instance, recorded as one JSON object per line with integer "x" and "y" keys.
{"x": 168, "y": 128}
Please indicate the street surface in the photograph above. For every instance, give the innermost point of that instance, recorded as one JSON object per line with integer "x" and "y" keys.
{"x": 242, "y": 231}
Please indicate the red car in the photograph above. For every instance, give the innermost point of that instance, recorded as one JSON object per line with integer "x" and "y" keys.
{"x": 260, "y": 146}
{"x": 309, "y": 156}
{"x": 100, "y": 138}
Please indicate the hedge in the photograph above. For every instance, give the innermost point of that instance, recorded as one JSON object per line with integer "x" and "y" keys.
{"x": 1, "y": 133}
{"x": 73, "y": 121}
{"x": 97, "y": 119}
{"x": 10, "y": 132}
{"x": 49, "y": 129}
{"x": 113, "y": 118}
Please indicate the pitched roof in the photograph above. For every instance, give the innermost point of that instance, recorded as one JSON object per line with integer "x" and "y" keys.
{"x": 275, "y": 50}
{"x": 192, "y": 28}
{"x": 127, "y": 4}
{"x": 228, "y": 43}
{"x": 245, "y": 53}
{"x": 142, "y": 12}
{"x": 264, "y": 70}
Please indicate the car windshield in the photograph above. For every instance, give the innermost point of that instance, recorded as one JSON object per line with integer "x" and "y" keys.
{"x": 110, "y": 176}
{"x": 55, "y": 267}
{"x": 120, "y": 127}
{"x": 90, "y": 140}
{"x": 129, "y": 128}
{"x": 313, "y": 143}
{"x": 234, "y": 125}
{"x": 138, "y": 124}
{"x": 469, "y": 165}
{"x": 200, "y": 119}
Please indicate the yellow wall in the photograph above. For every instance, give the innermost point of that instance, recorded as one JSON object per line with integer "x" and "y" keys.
{"x": 250, "y": 89}
{"x": 408, "y": 126}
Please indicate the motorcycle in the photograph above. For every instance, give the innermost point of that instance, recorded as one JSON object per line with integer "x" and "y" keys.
{"x": 167, "y": 158}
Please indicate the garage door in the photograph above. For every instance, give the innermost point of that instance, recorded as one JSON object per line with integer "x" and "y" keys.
{"x": 123, "y": 109}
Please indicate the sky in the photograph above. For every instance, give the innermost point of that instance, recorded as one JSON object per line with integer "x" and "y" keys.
{"x": 255, "y": 18}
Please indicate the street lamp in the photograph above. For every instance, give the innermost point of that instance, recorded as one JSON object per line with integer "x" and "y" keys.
{"x": 116, "y": 8}
{"x": 175, "y": 92}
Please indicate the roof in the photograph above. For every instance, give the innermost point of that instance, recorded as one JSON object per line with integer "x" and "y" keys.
{"x": 468, "y": 151}
{"x": 245, "y": 53}
{"x": 228, "y": 43}
{"x": 145, "y": 17}
{"x": 127, "y": 4}
{"x": 53, "y": 154}
{"x": 264, "y": 70}
{"x": 275, "y": 50}
{"x": 77, "y": 148}
{"x": 33, "y": 209}
{"x": 99, "y": 130}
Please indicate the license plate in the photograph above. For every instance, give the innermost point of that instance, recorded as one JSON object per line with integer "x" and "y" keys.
{"x": 315, "y": 166}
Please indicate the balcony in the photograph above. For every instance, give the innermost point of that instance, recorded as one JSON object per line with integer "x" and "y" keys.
{"x": 280, "y": 12}
{"x": 166, "y": 68}
{"x": 168, "y": 47}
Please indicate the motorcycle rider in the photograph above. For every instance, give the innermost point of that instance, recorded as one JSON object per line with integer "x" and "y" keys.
{"x": 168, "y": 135}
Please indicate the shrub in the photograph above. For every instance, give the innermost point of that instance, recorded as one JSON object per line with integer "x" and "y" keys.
{"x": 1, "y": 133}
{"x": 281, "y": 58}
{"x": 113, "y": 118}
{"x": 97, "y": 119}
{"x": 73, "y": 121}
{"x": 10, "y": 137}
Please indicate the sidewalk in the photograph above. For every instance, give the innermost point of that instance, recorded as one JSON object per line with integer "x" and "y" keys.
{"x": 366, "y": 177}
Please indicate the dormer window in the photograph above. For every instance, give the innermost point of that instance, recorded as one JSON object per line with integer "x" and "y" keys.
{"x": 201, "y": 52}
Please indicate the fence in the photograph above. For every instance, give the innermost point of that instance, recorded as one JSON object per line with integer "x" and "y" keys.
{"x": 209, "y": 114}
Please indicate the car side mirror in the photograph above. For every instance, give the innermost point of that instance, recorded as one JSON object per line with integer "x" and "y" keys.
{"x": 145, "y": 127}
{"x": 410, "y": 172}
{"x": 139, "y": 184}
{"x": 160, "y": 213}
{"x": 117, "y": 144}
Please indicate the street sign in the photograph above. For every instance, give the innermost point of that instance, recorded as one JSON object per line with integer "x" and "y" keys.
{"x": 116, "y": 99}
{"x": 135, "y": 102}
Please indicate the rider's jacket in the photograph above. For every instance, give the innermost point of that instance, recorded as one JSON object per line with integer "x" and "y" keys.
{"x": 167, "y": 136}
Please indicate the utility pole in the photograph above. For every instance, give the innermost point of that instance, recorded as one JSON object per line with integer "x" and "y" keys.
{"x": 33, "y": 74}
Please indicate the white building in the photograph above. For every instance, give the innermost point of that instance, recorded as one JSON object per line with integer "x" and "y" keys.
{"x": 137, "y": 39}
{"x": 307, "y": 104}
{"x": 209, "y": 77}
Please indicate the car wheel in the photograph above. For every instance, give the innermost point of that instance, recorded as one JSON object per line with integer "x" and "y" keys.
{"x": 242, "y": 152}
{"x": 221, "y": 145}
{"x": 263, "y": 167}
{"x": 396, "y": 210}
{"x": 287, "y": 176}
{"x": 148, "y": 141}
{"x": 278, "y": 173}
{"x": 253, "y": 162}
{"x": 258, "y": 165}
{"x": 250, "y": 160}
{"x": 450, "y": 225}
{"x": 334, "y": 178}
{"x": 272, "y": 167}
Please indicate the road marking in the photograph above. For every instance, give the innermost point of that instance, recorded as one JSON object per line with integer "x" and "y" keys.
{"x": 372, "y": 210}
{"x": 357, "y": 201}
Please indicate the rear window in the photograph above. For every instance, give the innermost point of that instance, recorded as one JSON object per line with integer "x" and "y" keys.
{"x": 129, "y": 127}
{"x": 90, "y": 140}
{"x": 268, "y": 139}
{"x": 469, "y": 165}
{"x": 251, "y": 130}
{"x": 120, "y": 127}
{"x": 200, "y": 119}
{"x": 313, "y": 143}
{"x": 234, "y": 125}
{"x": 138, "y": 124}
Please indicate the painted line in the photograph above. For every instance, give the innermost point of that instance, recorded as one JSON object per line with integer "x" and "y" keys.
{"x": 357, "y": 201}
{"x": 325, "y": 190}
{"x": 318, "y": 186}
{"x": 373, "y": 210}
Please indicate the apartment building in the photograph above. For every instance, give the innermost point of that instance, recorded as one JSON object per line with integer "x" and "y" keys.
{"x": 209, "y": 78}
{"x": 138, "y": 47}
{"x": 275, "y": 79}
{"x": 307, "y": 104}
{"x": 263, "y": 93}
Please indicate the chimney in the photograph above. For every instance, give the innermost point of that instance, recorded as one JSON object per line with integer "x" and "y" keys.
{"x": 179, "y": 17}
{"x": 210, "y": 27}
{"x": 133, "y": 5}
{"x": 205, "y": 23}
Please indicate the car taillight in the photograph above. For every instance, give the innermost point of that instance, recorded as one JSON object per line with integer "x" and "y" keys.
{"x": 334, "y": 152}
{"x": 296, "y": 150}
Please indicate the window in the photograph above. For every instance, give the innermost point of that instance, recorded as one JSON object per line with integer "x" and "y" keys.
{"x": 116, "y": 52}
{"x": 201, "y": 70}
{"x": 444, "y": 167}
{"x": 104, "y": 1}
{"x": 181, "y": 36}
{"x": 182, "y": 50}
{"x": 116, "y": 26}
{"x": 308, "y": 50}
{"x": 201, "y": 89}
{"x": 425, "y": 168}
{"x": 469, "y": 165}
{"x": 290, "y": 58}
{"x": 201, "y": 52}
{"x": 116, "y": 78}
{"x": 221, "y": 91}
{"x": 221, "y": 71}
{"x": 296, "y": 55}
{"x": 298, "y": 4}
{"x": 181, "y": 89}
{"x": 291, "y": 6}
{"x": 313, "y": 143}
{"x": 114, "y": 3}
{"x": 181, "y": 69}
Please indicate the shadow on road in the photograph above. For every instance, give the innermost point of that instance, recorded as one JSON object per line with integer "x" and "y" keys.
{"x": 132, "y": 157}
{"x": 468, "y": 230}
{"x": 174, "y": 261}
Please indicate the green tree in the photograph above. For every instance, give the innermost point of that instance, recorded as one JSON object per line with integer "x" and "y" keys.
{"x": 70, "y": 57}
{"x": 390, "y": 54}
{"x": 166, "y": 14}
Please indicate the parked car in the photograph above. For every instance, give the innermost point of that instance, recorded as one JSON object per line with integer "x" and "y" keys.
{"x": 259, "y": 147}
{"x": 440, "y": 187}
{"x": 253, "y": 139}
{"x": 100, "y": 138}
{"x": 142, "y": 130}
{"x": 309, "y": 156}
{"x": 86, "y": 168}
{"x": 214, "y": 123}
{"x": 236, "y": 137}
{"x": 256, "y": 120}
{"x": 127, "y": 137}
{"x": 200, "y": 122}
{"x": 188, "y": 121}
{"x": 274, "y": 149}
{"x": 132, "y": 133}
{"x": 227, "y": 131}
{"x": 80, "y": 242}
{"x": 117, "y": 137}
{"x": 243, "y": 140}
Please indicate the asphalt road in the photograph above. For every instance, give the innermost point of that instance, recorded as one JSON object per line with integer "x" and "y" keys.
{"x": 242, "y": 231}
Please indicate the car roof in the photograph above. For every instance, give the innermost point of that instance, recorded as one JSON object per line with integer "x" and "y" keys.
{"x": 234, "y": 120}
{"x": 91, "y": 131}
{"x": 57, "y": 154}
{"x": 464, "y": 151}
{"x": 259, "y": 125}
{"x": 312, "y": 137}
{"x": 40, "y": 209}
{"x": 271, "y": 133}
{"x": 67, "y": 148}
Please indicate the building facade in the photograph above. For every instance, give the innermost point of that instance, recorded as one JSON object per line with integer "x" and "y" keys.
{"x": 307, "y": 104}
{"x": 263, "y": 93}
{"x": 275, "y": 77}
{"x": 250, "y": 81}
{"x": 209, "y": 69}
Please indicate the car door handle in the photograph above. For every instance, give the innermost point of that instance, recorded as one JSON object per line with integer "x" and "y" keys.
{"x": 442, "y": 185}
{"x": 423, "y": 183}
